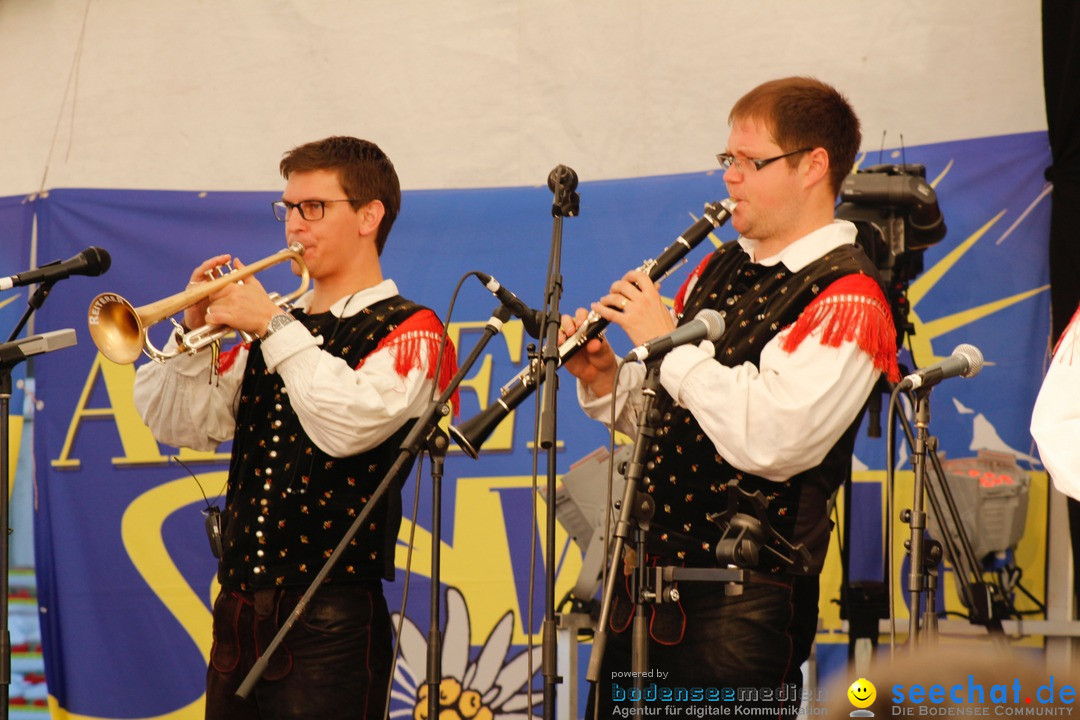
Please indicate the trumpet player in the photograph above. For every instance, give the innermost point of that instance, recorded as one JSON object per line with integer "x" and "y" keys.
{"x": 774, "y": 403}
{"x": 316, "y": 406}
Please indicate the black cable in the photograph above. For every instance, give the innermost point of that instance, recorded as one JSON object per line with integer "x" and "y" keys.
{"x": 443, "y": 339}
{"x": 890, "y": 485}
{"x": 839, "y": 526}
{"x": 405, "y": 589}
{"x": 533, "y": 531}
{"x": 1041, "y": 607}
{"x": 196, "y": 479}
{"x": 609, "y": 514}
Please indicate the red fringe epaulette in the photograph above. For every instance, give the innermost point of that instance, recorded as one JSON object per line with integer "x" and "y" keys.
{"x": 1068, "y": 345}
{"x": 680, "y": 298}
{"x": 422, "y": 332}
{"x": 852, "y": 308}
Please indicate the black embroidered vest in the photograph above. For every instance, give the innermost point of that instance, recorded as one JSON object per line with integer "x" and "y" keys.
{"x": 288, "y": 503}
{"x": 686, "y": 476}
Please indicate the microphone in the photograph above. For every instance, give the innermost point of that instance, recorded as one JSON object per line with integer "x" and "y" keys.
{"x": 706, "y": 325}
{"x": 562, "y": 181}
{"x": 530, "y": 319}
{"x": 966, "y": 361}
{"x": 92, "y": 261}
{"x": 16, "y": 351}
{"x": 563, "y": 176}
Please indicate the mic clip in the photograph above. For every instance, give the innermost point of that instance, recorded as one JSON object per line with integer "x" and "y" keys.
{"x": 747, "y": 536}
{"x": 563, "y": 181}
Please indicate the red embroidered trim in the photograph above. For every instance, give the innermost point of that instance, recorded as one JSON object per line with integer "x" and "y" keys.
{"x": 422, "y": 332}
{"x": 852, "y": 308}
{"x": 680, "y": 297}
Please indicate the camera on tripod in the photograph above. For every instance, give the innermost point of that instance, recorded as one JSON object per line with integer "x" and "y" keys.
{"x": 897, "y": 216}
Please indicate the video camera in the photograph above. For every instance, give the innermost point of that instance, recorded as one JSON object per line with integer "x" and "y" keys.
{"x": 897, "y": 214}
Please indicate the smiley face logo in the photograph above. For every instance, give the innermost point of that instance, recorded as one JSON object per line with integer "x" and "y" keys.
{"x": 862, "y": 693}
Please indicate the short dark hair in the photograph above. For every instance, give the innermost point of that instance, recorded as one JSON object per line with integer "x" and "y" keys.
{"x": 365, "y": 173}
{"x": 805, "y": 112}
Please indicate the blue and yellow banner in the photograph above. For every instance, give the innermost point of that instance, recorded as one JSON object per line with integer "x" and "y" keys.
{"x": 124, "y": 570}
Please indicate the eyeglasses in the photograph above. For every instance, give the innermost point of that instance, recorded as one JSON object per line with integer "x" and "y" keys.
{"x": 309, "y": 209}
{"x": 727, "y": 160}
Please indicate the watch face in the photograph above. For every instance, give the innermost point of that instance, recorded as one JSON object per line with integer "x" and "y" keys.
{"x": 277, "y": 322}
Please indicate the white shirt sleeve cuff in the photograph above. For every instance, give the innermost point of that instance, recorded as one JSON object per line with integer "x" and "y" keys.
{"x": 290, "y": 340}
{"x": 680, "y": 362}
{"x": 600, "y": 408}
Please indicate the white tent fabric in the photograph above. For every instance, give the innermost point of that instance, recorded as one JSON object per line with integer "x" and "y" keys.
{"x": 190, "y": 94}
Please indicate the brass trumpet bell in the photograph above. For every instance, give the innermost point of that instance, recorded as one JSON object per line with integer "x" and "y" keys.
{"x": 119, "y": 330}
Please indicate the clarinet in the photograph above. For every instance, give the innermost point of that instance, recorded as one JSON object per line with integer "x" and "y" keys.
{"x": 471, "y": 434}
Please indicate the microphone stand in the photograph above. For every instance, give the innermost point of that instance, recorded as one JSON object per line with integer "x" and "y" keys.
{"x": 984, "y": 600}
{"x": 424, "y": 435}
{"x": 916, "y": 516}
{"x": 634, "y": 508}
{"x": 562, "y": 181}
{"x": 659, "y": 586}
{"x": 12, "y": 353}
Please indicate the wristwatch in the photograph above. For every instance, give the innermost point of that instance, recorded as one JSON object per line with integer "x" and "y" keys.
{"x": 276, "y": 323}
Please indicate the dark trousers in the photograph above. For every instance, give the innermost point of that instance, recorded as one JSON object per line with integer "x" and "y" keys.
{"x": 333, "y": 663}
{"x": 736, "y": 650}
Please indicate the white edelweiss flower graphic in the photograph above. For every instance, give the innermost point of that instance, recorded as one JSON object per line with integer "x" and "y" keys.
{"x": 488, "y": 688}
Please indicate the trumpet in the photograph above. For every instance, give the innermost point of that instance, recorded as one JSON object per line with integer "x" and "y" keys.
{"x": 120, "y": 330}
{"x": 471, "y": 434}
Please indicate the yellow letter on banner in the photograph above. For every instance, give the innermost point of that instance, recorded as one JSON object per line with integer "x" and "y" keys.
{"x": 480, "y": 382}
{"x": 139, "y": 445}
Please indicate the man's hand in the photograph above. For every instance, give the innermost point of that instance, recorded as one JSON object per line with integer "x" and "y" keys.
{"x": 195, "y": 315}
{"x": 244, "y": 306}
{"x": 634, "y": 304}
{"x": 594, "y": 364}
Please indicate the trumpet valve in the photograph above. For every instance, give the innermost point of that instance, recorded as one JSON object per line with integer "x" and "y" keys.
{"x": 219, "y": 271}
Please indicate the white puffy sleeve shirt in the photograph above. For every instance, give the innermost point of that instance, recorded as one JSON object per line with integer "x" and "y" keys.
{"x": 344, "y": 410}
{"x": 1055, "y": 420}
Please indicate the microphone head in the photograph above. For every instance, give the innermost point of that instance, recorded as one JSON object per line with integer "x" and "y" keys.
{"x": 563, "y": 175}
{"x": 973, "y": 356}
{"x": 97, "y": 261}
{"x": 714, "y": 323}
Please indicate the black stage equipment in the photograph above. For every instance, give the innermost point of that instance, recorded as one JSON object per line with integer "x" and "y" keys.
{"x": 92, "y": 261}
{"x": 541, "y": 372}
{"x": 897, "y": 216}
